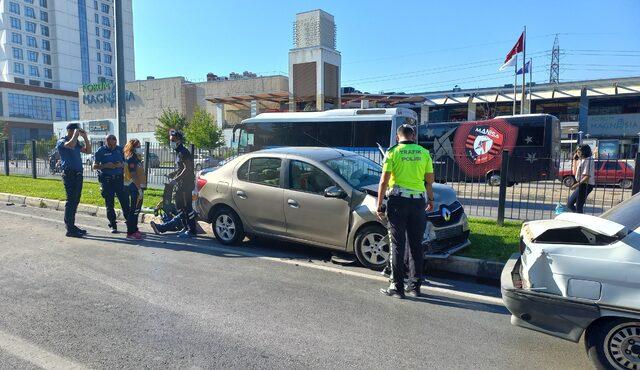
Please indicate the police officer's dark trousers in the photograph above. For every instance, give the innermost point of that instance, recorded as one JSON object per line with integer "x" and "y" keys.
{"x": 407, "y": 221}
{"x": 72, "y": 181}
{"x": 185, "y": 206}
{"x": 113, "y": 186}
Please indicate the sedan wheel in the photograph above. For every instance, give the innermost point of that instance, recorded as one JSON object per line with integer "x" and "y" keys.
{"x": 626, "y": 184}
{"x": 615, "y": 344}
{"x": 227, "y": 227}
{"x": 372, "y": 247}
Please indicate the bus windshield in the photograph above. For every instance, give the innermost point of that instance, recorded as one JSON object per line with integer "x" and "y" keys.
{"x": 358, "y": 171}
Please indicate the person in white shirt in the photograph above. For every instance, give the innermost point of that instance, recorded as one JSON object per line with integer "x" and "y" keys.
{"x": 585, "y": 180}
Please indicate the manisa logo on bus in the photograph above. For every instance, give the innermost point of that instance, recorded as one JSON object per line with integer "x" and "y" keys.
{"x": 483, "y": 144}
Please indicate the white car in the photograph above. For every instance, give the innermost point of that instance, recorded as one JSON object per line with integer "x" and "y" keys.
{"x": 579, "y": 275}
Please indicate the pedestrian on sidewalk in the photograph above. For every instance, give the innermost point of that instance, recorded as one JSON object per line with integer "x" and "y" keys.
{"x": 135, "y": 182}
{"x": 184, "y": 180}
{"x": 585, "y": 180}
{"x": 109, "y": 161}
{"x": 69, "y": 148}
{"x": 407, "y": 175}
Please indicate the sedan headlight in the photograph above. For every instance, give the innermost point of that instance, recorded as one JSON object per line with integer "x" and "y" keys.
{"x": 464, "y": 221}
{"x": 429, "y": 232}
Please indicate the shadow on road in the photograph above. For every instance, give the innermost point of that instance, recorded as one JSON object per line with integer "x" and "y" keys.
{"x": 459, "y": 303}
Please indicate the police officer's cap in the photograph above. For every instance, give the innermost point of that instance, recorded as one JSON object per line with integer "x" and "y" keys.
{"x": 73, "y": 126}
{"x": 177, "y": 134}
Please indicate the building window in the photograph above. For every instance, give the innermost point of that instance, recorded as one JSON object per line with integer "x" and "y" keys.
{"x": 95, "y": 4}
{"x": 14, "y": 8}
{"x": 61, "y": 110}
{"x": 34, "y": 71}
{"x": 16, "y": 38}
{"x": 15, "y": 23}
{"x": 47, "y": 73}
{"x": 97, "y": 31}
{"x": 18, "y": 80}
{"x": 44, "y": 16}
{"x": 98, "y": 44}
{"x": 17, "y": 54}
{"x": 104, "y": 8}
{"x": 99, "y": 69}
{"x": 44, "y": 30}
{"x": 46, "y": 59}
{"x": 106, "y": 33}
{"x": 46, "y": 45}
{"x": 43, "y": 3}
{"x": 34, "y": 82}
{"x": 29, "y": 12}
{"x": 30, "y": 26}
{"x": 28, "y": 1}
{"x": 27, "y": 106}
{"x": 106, "y": 46}
{"x": 108, "y": 71}
{"x": 106, "y": 22}
{"x": 99, "y": 57}
{"x": 32, "y": 56}
{"x": 18, "y": 68}
{"x": 74, "y": 110}
{"x": 48, "y": 84}
{"x": 31, "y": 42}
{"x": 107, "y": 58}
{"x": 97, "y": 18}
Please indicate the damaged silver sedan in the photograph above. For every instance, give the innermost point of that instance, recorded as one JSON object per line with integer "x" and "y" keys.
{"x": 578, "y": 276}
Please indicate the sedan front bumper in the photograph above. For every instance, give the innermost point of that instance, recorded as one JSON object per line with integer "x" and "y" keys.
{"x": 555, "y": 315}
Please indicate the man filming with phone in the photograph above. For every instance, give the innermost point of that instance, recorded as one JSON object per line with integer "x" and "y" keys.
{"x": 69, "y": 148}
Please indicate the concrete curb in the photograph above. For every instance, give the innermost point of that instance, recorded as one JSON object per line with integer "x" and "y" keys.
{"x": 459, "y": 265}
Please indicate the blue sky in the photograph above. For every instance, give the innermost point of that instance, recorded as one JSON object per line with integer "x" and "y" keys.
{"x": 409, "y": 46}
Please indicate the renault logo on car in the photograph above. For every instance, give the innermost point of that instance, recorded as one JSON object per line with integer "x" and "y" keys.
{"x": 446, "y": 214}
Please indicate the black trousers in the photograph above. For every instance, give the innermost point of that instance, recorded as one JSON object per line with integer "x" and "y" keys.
{"x": 135, "y": 204}
{"x": 407, "y": 222}
{"x": 72, "y": 181}
{"x": 113, "y": 186}
{"x": 578, "y": 198}
{"x": 185, "y": 207}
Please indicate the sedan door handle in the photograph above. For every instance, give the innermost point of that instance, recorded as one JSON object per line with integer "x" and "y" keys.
{"x": 241, "y": 194}
{"x": 293, "y": 204}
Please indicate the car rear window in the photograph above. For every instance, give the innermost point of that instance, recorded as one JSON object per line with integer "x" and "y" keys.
{"x": 626, "y": 213}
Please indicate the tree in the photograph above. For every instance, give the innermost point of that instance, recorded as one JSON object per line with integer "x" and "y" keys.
{"x": 203, "y": 132}
{"x": 43, "y": 147}
{"x": 169, "y": 119}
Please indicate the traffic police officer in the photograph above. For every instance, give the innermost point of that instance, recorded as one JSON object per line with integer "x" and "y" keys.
{"x": 109, "y": 161}
{"x": 407, "y": 174}
{"x": 183, "y": 178}
{"x": 69, "y": 149}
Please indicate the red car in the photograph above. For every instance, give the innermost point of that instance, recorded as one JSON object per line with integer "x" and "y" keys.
{"x": 607, "y": 173}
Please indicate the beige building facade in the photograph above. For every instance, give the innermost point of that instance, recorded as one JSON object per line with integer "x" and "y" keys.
{"x": 147, "y": 99}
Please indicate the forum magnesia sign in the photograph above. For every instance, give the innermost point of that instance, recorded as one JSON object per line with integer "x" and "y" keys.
{"x": 101, "y": 93}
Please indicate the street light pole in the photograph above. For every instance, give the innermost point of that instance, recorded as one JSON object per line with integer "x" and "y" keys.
{"x": 580, "y": 137}
{"x": 571, "y": 142}
{"x": 120, "y": 90}
{"x": 636, "y": 173}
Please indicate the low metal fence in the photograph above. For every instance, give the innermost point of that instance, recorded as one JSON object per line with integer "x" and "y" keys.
{"x": 519, "y": 188}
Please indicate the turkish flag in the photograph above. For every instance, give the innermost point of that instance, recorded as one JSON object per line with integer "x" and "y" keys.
{"x": 517, "y": 48}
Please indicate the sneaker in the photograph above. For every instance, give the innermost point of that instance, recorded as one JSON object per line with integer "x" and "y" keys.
{"x": 74, "y": 234}
{"x": 135, "y": 236}
{"x": 185, "y": 235}
{"x": 391, "y": 292}
{"x": 154, "y": 226}
{"x": 79, "y": 230}
{"x": 114, "y": 229}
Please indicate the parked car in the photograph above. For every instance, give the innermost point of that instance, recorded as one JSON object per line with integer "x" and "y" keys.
{"x": 202, "y": 161}
{"x": 319, "y": 196}
{"x": 579, "y": 275}
{"x": 611, "y": 172}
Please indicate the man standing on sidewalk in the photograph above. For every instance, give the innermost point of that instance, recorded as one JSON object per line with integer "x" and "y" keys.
{"x": 407, "y": 168}
{"x": 71, "y": 162}
{"x": 109, "y": 161}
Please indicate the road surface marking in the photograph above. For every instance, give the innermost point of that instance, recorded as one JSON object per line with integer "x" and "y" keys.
{"x": 32, "y": 353}
{"x": 433, "y": 289}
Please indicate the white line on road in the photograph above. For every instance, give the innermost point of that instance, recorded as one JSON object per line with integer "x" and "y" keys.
{"x": 32, "y": 353}
{"x": 427, "y": 289}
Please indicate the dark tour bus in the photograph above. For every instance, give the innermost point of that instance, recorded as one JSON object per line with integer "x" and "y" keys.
{"x": 472, "y": 151}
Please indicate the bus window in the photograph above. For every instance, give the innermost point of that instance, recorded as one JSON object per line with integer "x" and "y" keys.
{"x": 304, "y": 134}
{"x": 367, "y": 133}
{"x": 269, "y": 134}
{"x": 334, "y": 134}
{"x": 530, "y": 135}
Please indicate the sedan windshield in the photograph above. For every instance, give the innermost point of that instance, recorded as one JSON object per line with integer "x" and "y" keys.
{"x": 358, "y": 171}
{"x": 626, "y": 213}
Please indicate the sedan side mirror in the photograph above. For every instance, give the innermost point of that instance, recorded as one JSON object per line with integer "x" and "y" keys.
{"x": 334, "y": 192}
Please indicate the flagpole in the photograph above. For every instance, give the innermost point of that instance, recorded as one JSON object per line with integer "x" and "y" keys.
{"x": 524, "y": 75}
{"x": 530, "y": 81}
{"x": 515, "y": 83}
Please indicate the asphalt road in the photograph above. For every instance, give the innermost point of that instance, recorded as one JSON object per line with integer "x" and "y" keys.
{"x": 103, "y": 302}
